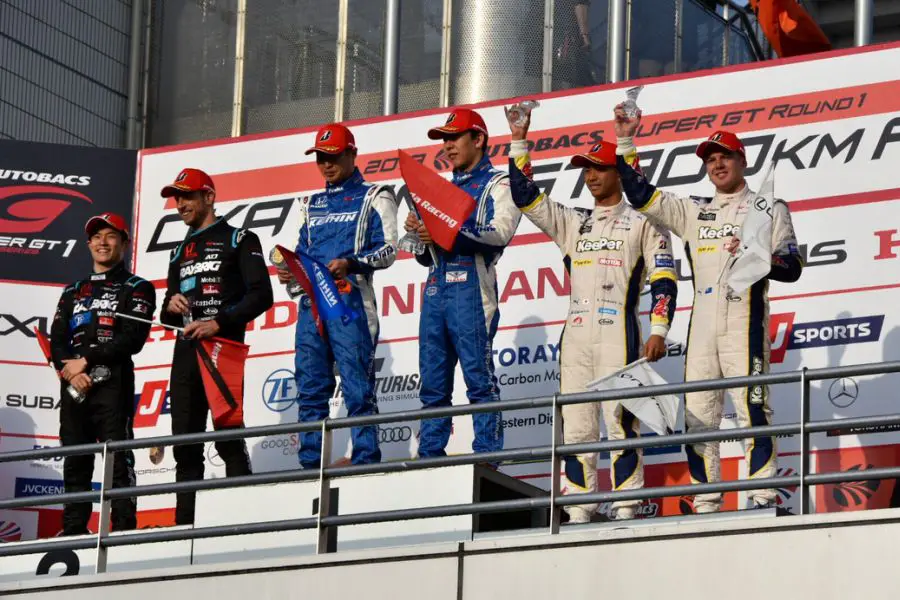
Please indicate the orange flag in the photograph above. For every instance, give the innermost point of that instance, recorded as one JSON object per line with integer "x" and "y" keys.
{"x": 789, "y": 28}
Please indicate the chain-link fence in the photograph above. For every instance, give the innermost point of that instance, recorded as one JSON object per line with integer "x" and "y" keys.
{"x": 653, "y": 33}
{"x": 192, "y": 73}
{"x": 703, "y": 38}
{"x": 579, "y": 43}
{"x": 289, "y": 74}
{"x": 421, "y": 38}
{"x": 302, "y": 68}
{"x": 64, "y": 71}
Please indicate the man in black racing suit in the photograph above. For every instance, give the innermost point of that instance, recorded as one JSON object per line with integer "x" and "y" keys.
{"x": 218, "y": 282}
{"x": 91, "y": 347}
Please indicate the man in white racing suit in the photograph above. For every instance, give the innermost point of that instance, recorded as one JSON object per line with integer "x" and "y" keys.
{"x": 728, "y": 332}
{"x": 608, "y": 251}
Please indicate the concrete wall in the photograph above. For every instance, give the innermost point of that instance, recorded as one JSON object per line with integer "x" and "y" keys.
{"x": 846, "y": 555}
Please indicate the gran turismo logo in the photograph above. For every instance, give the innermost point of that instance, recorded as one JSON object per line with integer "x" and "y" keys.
{"x": 785, "y": 493}
{"x": 10, "y": 532}
{"x": 854, "y": 493}
{"x": 843, "y": 392}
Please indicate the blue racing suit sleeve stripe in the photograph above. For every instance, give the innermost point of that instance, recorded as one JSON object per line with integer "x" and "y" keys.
{"x": 524, "y": 191}
{"x": 501, "y": 218}
{"x": 640, "y": 192}
{"x": 379, "y": 250}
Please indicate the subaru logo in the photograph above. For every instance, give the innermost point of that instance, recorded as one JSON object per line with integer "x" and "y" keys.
{"x": 279, "y": 391}
{"x": 843, "y": 392}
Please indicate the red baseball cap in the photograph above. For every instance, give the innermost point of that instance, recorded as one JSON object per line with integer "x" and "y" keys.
{"x": 189, "y": 180}
{"x": 333, "y": 139}
{"x": 460, "y": 120}
{"x": 602, "y": 154}
{"x": 107, "y": 219}
{"x": 723, "y": 139}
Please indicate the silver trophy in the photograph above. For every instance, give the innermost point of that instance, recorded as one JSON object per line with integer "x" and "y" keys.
{"x": 411, "y": 242}
{"x": 630, "y": 104}
{"x": 517, "y": 114}
{"x": 293, "y": 287}
{"x": 188, "y": 317}
{"x": 98, "y": 374}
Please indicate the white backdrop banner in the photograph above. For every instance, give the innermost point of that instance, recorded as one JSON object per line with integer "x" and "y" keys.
{"x": 832, "y": 124}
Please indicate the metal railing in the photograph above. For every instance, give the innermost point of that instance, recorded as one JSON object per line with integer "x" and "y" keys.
{"x": 324, "y": 519}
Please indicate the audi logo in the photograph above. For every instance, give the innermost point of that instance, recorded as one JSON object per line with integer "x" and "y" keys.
{"x": 387, "y": 435}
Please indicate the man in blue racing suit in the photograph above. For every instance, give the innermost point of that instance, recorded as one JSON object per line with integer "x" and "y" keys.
{"x": 352, "y": 228}
{"x": 459, "y": 311}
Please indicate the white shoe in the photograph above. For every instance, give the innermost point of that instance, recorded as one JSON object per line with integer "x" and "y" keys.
{"x": 577, "y": 514}
{"x": 624, "y": 513}
{"x": 706, "y": 508}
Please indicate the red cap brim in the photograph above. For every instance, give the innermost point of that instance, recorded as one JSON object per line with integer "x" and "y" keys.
{"x": 583, "y": 160}
{"x": 332, "y": 150}
{"x": 438, "y": 133}
{"x": 703, "y": 148}
{"x": 95, "y": 224}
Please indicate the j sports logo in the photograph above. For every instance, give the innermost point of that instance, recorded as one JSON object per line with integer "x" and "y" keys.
{"x": 787, "y": 335}
{"x": 27, "y": 487}
{"x": 152, "y": 402}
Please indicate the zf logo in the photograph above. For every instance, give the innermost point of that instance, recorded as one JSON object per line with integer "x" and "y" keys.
{"x": 10, "y": 324}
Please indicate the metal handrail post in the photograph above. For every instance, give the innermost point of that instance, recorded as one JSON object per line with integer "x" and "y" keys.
{"x": 324, "y": 491}
{"x": 615, "y": 67}
{"x": 105, "y": 503}
{"x": 805, "y": 505}
{"x": 446, "y": 59}
{"x": 555, "y": 471}
{"x": 547, "y": 75}
{"x": 391, "y": 69}
{"x": 862, "y": 23}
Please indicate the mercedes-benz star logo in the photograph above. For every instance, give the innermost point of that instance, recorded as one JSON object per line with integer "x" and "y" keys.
{"x": 843, "y": 392}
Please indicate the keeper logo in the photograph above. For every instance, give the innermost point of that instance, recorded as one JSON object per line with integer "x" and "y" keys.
{"x": 584, "y": 245}
{"x": 711, "y": 233}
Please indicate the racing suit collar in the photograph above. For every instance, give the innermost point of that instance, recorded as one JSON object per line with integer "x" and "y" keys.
{"x": 218, "y": 221}
{"x": 609, "y": 210}
{"x": 354, "y": 180}
{"x": 483, "y": 166}
{"x": 726, "y": 199}
{"x": 108, "y": 274}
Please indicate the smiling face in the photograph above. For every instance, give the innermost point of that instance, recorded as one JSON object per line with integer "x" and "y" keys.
{"x": 335, "y": 168}
{"x": 195, "y": 208}
{"x": 602, "y": 181}
{"x": 725, "y": 170}
{"x": 107, "y": 246}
